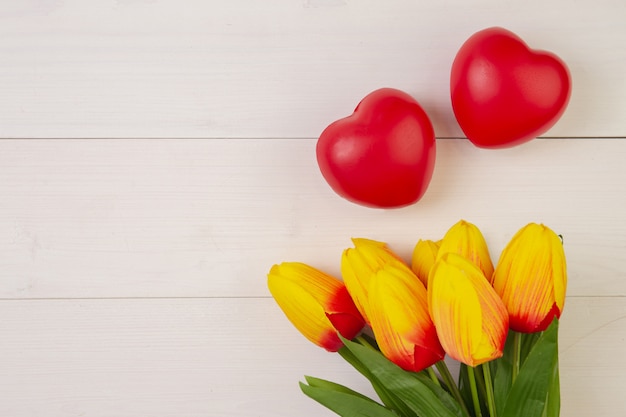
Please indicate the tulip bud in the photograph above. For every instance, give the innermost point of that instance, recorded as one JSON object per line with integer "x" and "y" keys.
{"x": 359, "y": 264}
{"x": 424, "y": 257}
{"x": 466, "y": 239}
{"x": 531, "y": 278}
{"x": 471, "y": 320}
{"x": 400, "y": 320}
{"x": 317, "y": 304}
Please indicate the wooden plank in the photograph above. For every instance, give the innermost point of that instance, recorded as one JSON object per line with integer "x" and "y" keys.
{"x": 211, "y": 357}
{"x": 231, "y": 357}
{"x": 591, "y": 356}
{"x": 277, "y": 68}
{"x": 188, "y": 218}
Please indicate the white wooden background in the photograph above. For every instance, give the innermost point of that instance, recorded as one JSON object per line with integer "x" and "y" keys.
{"x": 158, "y": 156}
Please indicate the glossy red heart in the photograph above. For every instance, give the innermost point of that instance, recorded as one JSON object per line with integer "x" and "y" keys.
{"x": 383, "y": 155}
{"x": 503, "y": 93}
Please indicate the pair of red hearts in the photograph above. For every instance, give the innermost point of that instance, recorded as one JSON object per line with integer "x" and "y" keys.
{"x": 503, "y": 94}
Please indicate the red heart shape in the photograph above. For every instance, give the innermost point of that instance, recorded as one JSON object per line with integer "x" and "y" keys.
{"x": 503, "y": 93}
{"x": 383, "y": 155}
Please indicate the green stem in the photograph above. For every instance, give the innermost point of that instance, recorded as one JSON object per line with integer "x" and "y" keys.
{"x": 480, "y": 382}
{"x": 364, "y": 342}
{"x": 452, "y": 386}
{"x": 489, "y": 385}
{"x": 474, "y": 390}
{"x": 517, "y": 352}
{"x": 433, "y": 376}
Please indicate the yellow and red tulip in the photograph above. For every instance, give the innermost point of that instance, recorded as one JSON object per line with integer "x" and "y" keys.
{"x": 398, "y": 307}
{"x": 359, "y": 264}
{"x": 471, "y": 320}
{"x": 531, "y": 278}
{"x": 466, "y": 239}
{"x": 317, "y": 304}
{"x": 424, "y": 257}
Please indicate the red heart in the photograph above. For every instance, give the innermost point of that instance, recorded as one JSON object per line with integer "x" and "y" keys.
{"x": 383, "y": 155}
{"x": 503, "y": 93}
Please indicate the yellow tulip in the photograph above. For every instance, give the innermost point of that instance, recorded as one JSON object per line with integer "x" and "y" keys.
{"x": 359, "y": 264}
{"x": 466, "y": 239}
{"x": 402, "y": 326}
{"x": 531, "y": 278}
{"x": 317, "y": 304}
{"x": 424, "y": 257}
{"x": 471, "y": 320}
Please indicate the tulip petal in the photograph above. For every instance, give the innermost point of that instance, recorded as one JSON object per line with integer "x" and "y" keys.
{"x": 321, "y": 286}
{"x": 317, "y": 304}
{"x": 343, "y": 314}
{"x": 467, "y": 240}
{"x": 400, "y": 319}
{"x": 359, "y": 264}
{"x": 458, "y": 320}
{"x": 305, "y": 313}
{"x": 470, "y": 318}
{"x": 531, "y": 278}
{"x": 423, "y": 259}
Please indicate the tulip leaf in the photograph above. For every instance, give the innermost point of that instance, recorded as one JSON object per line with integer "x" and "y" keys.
{"x": 383, "y": 393}
{"x": 344, "y": 401}
{"x": 536, "y": 381}
{"x": 322, "y": 383}
{"x": 444, "y": 396}
{"x": 464, "y": 385}
{"x": 503, "y": 374}
{"x": 528, "y": 342}
{"x": 420, "y": 395}
{"x": 553, "y": 407}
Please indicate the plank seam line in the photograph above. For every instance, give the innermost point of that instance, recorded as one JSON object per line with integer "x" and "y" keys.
{"x": 181, "y": 138}
{"x": 212, "y": 298}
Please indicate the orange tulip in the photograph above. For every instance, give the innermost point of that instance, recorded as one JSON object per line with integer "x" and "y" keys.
{"x": 398, "y": 307}
{"x": 466, "y": 239}
{"x": 359, "y": 264}
{"x": 531, "y": 278}
{"x": 317, "y": 304}
{"x": 470, "y": 318}
{"x": 424, "y": 257}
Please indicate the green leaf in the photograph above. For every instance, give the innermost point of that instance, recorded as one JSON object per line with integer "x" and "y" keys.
{"x": 529, "y": 393}
{"x": 528, "y": 342}
{"x": 444, "y": 396}
{"x": 553, "y": 407}
{"x": 329, "y": 385}
{"x": 464, "y": 385}
{"x": 383, "y": 393}
{"x": 421, "y": 396}
{"x": 344, "y": 402}
{"x": 503, "y": 375}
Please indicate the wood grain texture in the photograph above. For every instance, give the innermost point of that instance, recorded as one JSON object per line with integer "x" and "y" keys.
{"x": 165, "y": 159}
{"x": 198, "y": 218}
{"x": 231, "y": 357}
{"x": 277, "y": 68}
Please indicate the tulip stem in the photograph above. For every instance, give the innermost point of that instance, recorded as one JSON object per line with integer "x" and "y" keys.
{"x": 433, "y": 376}
{"x": 444, "y": 371}
{"x": 489, "y": 388}
{"x": 474, "y": 390}
{"x": 517, "y": 353}
{"x": 364, "y": 342}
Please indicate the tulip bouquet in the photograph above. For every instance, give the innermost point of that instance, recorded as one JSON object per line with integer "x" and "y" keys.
{"x": 395, "y": 323}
